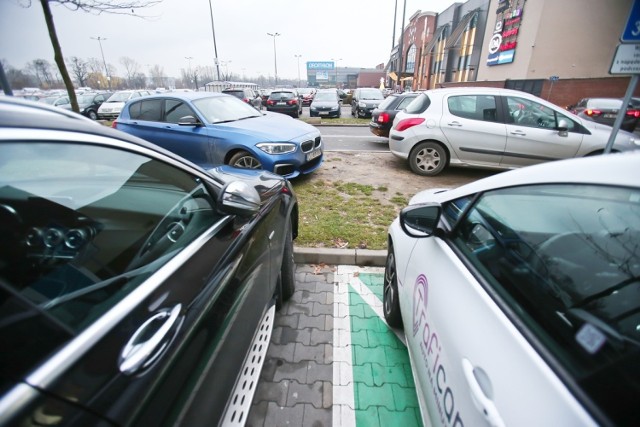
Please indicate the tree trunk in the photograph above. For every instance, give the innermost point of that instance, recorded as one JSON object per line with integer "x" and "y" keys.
{"x": 57, "y": 50}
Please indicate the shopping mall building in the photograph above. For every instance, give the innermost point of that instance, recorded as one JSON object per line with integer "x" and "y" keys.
{"x": 560, "y": 50}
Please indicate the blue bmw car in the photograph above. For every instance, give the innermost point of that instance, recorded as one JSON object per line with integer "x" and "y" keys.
{"x": 211, "y": 129}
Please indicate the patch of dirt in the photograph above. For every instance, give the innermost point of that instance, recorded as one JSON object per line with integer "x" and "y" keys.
{"x": 383, "y": 169}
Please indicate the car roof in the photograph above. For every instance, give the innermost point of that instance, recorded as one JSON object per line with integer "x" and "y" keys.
{"x": 615, "y": 169}
{"x": 187, "y": 96}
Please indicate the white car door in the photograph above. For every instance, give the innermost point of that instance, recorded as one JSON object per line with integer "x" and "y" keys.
{"x": 473, "y": 365}
{"x": 532, "y": 134}
{"x": 470, "y": 124}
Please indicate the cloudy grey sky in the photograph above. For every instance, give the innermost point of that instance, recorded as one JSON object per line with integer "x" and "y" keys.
{"x": 357, "y": 31}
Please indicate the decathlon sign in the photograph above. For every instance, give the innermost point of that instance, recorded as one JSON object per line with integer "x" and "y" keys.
{"x": 320, "y": 65}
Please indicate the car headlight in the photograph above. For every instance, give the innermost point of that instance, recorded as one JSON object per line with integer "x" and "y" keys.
{"x": 362, "y": 104}
{"x": 634, "y": 140}
{"x": 277, "y": 147}
{"x": 312, "y": 108}
{"x": 334, "y": 108}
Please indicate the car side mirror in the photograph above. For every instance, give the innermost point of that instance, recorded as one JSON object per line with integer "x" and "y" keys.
{"x": 239, "y": 198}
{"x": 563, "y": 127}
{"x": 188, "y": 121}
{"x": 421, "y": 220}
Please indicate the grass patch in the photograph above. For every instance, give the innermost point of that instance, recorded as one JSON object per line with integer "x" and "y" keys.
{"x": 343, "y": 215}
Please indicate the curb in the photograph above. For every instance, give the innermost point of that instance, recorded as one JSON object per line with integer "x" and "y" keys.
{"x": 332, "y": 256}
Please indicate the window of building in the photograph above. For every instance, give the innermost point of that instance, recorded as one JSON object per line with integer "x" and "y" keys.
{"x": 411, "y": 59}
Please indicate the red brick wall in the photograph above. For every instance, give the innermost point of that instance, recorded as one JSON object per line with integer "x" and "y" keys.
{"x": 569, "y": 91}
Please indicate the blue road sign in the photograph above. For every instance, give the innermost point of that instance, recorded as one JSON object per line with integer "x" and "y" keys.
{"x": 631, "y": 33}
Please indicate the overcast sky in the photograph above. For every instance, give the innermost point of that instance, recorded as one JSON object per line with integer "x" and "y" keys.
{"x": 357, "y": 31}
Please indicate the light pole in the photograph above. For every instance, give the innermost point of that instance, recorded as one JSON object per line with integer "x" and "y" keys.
{"x": 106, "y": 70}
{"x": 275, "y": 56}
{"x": 189, "y": 77}
{"x": 298, "y": 58}
{"x": 215, "y": 47}
{"x": 336, "y": 60}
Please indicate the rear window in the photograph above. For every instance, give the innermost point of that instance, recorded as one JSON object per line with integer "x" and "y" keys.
{"x": 604, "y": 103}
{"x": 386, "y": 104}
{"x": 236, "y": 93}
{"x": 281, "y": 95}
{"x": 419, "y": 105}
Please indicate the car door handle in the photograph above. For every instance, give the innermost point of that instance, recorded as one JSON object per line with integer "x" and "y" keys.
{"x": 456, "y": 124}
{"x": 518, "y": 133}
{"x": 148, "y": 342}
{"x": 482, "y": 394}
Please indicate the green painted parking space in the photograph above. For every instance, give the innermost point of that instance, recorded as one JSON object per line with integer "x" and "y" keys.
{"x": 377, "y": 363}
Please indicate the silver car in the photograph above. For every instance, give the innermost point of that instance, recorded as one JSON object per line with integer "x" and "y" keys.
{"x": 493, "y": 128}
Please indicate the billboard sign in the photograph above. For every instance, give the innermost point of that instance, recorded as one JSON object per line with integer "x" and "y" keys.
{"x": 320, "y": 65}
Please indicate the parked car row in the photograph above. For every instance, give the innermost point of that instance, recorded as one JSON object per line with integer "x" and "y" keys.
{"x": 605, "y": 110}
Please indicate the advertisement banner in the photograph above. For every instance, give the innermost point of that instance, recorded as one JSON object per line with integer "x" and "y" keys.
{"x": 320, "y": 65}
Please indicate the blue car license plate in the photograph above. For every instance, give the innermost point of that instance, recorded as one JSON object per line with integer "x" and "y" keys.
{"x": 312, "y": 155}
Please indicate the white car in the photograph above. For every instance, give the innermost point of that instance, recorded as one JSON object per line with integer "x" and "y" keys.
{"x": 493, "y": 128}
{"x": 111, "y": 108}
{"x": 520, "y": 295}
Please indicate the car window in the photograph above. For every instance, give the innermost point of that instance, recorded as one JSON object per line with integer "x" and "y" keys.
{"x": 385, "y": 105}
{"x": 149, "y": 110}
{"x": 371, "y": 94}
{"x": 474, "y": 107}
{"x": 326, "y": 96}
{"x": 281, "y": 95}
{"x": 119, "y": 97}
{"x": 175, "y": 110}
{"x": 566, "y": 260}
{"x": 85, "y": 234}
{"x": 419, "y": 104}
{"x": 219, "y": 109}
{"x": 526, "y": 112}
{"x": 404, "y": 102}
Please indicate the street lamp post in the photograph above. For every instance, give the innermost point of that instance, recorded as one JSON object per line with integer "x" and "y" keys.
{"x": 275, "y": 56}
{"x": 106, "y": 70}
{"x": 215, "y": 47}
{"x": 189, "y": 77}
{"x": 336, "y": 60}
{"x": 298, "y": 58}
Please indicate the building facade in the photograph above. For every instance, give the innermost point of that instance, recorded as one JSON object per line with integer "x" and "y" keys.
{"x": 558, "y": 50}
{"x": 327, "y": 74}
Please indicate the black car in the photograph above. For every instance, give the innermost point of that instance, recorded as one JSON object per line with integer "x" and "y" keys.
{"x": 364, "y": 101}
{"x": 285, "y": 101}
{"x": 90, "y": 102}
{"x": 383, "y": 115}
{"x": 605, "y": 111}
{"x": 326, "y": 103}
{"x": 137, "y": 288}
{"x": 247, "y": 95}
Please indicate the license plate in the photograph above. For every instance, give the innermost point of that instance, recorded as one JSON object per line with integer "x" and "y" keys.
{"x": 312, "y": 155}
{"x": 282, "y": 103}
{"x": 323, "y": 113}
{"x": 609, "y": 116}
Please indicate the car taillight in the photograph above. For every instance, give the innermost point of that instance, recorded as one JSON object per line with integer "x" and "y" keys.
{"x": 114, "y": 124}
{"x": 246, "y": 100}
{"x": 633, "y": 113}
{"x": 292, "y": 102}
{"x": 270, "y": 102}
{"x": 405, "y": 124}
{"x": 589, "y": 112}
{"x": 383, "y": 118}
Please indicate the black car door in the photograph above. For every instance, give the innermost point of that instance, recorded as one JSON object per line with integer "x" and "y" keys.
{"x": 123, "y": 304}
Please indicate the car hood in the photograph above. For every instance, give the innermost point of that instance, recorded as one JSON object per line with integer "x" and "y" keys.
{"x": 270, "y": 127}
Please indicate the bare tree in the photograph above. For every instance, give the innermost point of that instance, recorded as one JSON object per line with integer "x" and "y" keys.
{"x": 131, "y": 69}
{"x": 91, "y": 6}
{"x": 157, "y": 75}
{"x": 80, "y": 70}
{"x": 41, "y": 70}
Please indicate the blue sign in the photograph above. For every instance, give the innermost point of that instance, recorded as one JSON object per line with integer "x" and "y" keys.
{"x": 320, "y": 65}
{"x": 631, "y": 33}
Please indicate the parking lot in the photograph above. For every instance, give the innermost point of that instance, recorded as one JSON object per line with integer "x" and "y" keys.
{"x": 332, "y": 360}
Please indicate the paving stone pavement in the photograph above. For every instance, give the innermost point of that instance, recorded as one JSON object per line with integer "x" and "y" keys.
{"x": 332, "y": 361}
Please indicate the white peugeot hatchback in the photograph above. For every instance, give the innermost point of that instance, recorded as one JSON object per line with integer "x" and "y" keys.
{"x": 520, "y": 295}
{"x": 493, "y": 128}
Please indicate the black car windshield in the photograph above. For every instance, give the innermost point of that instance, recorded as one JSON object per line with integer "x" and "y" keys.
{"x": 371, "y": 94}
{"x": 219, "y": 109}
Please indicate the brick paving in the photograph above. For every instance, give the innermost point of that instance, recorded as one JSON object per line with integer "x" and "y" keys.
{"x": 332, "y": 360}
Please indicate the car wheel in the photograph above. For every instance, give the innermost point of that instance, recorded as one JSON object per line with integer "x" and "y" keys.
{"x": 390, "y": 301}
{"x": 243, "y": 159}
{"x": 353, "y": 113}
{"x": 92, "y": 115}
{"x": 428, "y": 159}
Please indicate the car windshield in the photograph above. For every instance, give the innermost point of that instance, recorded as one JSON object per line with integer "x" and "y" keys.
{"x": 236, "y": 93}
{"x": 50, "y": 99}
{"x": 85, "y": 99}
{"x": 604, "y": 103}
{"x": 119, "y": 97}
{"x": 281, "y": 95}
{"x": 387, "y": 102}
{"x": 221, "y": 109}
{"x": 371, "y": 94}
{"x": 325, "y": 96}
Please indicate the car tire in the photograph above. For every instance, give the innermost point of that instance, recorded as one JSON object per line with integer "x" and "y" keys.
{"x": 296, "y": 114}
{"x": 244, "y": 159}
{"x": 390, "y": 301}
{"x": 353, "y": 113}
{"x": 92, "y": 115}
{"x": 428, "y": 159}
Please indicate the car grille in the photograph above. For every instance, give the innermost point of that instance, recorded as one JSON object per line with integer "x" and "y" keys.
{"x": 311, "y": 144}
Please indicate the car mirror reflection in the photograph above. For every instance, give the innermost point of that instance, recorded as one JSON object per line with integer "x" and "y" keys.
{"x": 240, "y": 198}
{"x": 420, "y": 220}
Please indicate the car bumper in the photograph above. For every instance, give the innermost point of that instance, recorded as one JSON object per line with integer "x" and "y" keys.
{"x": 378, "y": 129}
{"x": 334, "y": 113}
{"x": 284, "y": 110}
